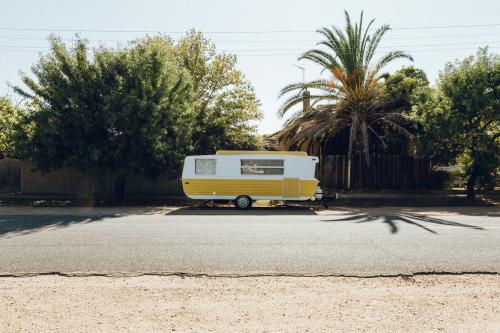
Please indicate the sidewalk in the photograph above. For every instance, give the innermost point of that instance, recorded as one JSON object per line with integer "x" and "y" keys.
{"x": 414, "y": 199}
{"x": 333, "y": 210}
{"x": 384, "y": 198}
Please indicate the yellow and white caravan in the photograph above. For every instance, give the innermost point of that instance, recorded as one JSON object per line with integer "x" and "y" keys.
{"x": 244, "y": 176}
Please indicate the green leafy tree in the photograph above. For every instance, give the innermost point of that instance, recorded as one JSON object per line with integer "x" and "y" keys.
{"x": 430, "y": 112}
{"x": 129, "y": 110}
{"x": 10, "y": 118}
{"x": 224, "y": 101}
{"x": 405, "y": 88}
{"x": 404, "y": 85}
{"x": 461, "y": 119}
{"x": 351, "y": 99}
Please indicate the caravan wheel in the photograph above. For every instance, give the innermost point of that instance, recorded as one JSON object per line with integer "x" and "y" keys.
{"x": 243, "y": 202}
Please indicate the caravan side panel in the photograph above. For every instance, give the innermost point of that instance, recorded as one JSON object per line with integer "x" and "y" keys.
{"x": 232, "y": 187}
{"x": 308, "y": 188}
{"x": 256, "y": 189}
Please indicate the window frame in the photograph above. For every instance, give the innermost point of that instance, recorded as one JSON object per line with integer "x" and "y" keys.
{"x": 205, "y": 159}
{"x": 261, "y": 167}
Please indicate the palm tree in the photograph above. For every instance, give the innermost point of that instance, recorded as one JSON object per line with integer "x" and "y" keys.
{"x": 351, "y": 98}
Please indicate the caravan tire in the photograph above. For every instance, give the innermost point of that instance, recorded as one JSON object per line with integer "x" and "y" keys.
{"x": 243, "y": 202}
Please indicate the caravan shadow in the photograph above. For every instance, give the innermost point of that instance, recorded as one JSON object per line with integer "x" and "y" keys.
{"x": 256, "y": 211}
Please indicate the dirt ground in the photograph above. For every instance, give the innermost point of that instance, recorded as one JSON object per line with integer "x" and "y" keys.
{"x": 430, "y": 303}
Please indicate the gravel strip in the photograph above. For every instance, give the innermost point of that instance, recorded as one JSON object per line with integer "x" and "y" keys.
{"x": 430, "y": 303}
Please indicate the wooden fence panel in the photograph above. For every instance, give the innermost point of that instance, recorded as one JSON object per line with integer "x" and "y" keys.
{"x": 10, "y": 175}
{"x": 384, "y": 172}
{"x": 99, "y": 182}
{"x": 161, "y": 186}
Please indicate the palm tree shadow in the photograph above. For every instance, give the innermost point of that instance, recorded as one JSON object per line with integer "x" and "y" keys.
{"x": 393, "y": 220}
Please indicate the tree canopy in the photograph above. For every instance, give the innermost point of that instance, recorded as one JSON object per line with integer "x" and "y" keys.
{"x": 403, "y": 89}
{"x": 125, "y": 109}
{"x": 10, "y": 117}
{"x": 225, "y": 104}
{"x": 403, "y": 86}
{"x": 461, "y": 119}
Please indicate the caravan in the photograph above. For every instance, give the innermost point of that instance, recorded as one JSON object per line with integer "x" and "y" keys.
{"x": 245, "y": 176}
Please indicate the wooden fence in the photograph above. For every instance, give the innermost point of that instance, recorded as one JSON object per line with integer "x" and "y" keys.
{"x": 94, "y": 182}
{"x": 10, "y": 176}
{"x": 385, "y": 172}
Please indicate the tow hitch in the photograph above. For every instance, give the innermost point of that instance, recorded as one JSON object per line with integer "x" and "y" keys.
{"x": 329, "y": 198}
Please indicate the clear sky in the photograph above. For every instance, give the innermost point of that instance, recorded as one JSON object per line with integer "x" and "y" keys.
{"x": 267, "y": 35}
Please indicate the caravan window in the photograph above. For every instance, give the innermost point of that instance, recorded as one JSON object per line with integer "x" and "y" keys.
{"x": 262, "y": 167}
{"x": 204, "y": 166}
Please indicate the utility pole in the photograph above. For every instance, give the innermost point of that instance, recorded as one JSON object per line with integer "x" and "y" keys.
{"x": 303, "y": 69}
{"x": 306, "y": 96}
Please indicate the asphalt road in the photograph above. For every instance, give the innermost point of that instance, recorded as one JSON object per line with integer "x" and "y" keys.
{"x": 260, "y": 241}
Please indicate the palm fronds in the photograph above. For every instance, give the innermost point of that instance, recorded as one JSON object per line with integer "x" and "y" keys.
{"x": 350, "y": 98}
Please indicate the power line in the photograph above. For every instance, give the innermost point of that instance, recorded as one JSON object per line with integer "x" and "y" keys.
{"x": 235, "y": 32}
{"x": 257, "y": 41}
{"x": 294, "y": 54}
{"x": 381, "y": 47}
{"x": 448, "y": 26}
{"x": 270, "y": 54}
{"x": 385, "y": 38}
{"x": 442, "y": 36}
{"x": 26, "y": 47}
{"x": 298, "y": 49}
{"x": 63, "y": 39}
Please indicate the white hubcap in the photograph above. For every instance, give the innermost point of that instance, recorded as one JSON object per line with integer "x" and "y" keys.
{"x": 243, "y": 202}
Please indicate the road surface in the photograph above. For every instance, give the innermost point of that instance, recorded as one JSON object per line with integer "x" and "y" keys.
{"x": 260, "y": 241}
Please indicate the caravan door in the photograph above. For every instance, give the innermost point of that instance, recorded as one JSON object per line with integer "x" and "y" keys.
{"x": 291, "y": 187}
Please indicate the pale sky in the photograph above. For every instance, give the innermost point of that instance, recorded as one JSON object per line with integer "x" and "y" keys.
{"x": 266, "y": 35}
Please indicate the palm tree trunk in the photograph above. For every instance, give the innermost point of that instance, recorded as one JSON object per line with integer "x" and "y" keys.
{"x": 323, "y": 160}
{"x": 349, "y": 156}
{"x": 366, "y": 144}
{"x": 366, "y": 150}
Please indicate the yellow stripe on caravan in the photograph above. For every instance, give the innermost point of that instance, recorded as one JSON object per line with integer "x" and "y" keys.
{"x": 250, "y": 187}
{"x": 291, "y": 187}
{"x": 248, "y": 152}
{"x": 308, "y": 187}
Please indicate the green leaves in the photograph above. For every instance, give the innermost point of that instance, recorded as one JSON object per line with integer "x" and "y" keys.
{"x": 10, "y": 121}
{"x": 225, "y": 104}
{"x": 461, "y": 118}
{"x": 151, "y": 107}
{"x": 139, "y": 109}
{"x": 473, "y": 89}
{"x": 127, "y": 109}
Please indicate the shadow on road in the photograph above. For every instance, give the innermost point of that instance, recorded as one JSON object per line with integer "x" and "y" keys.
{"x": 255, "y": 211}
{"x": 12, "y": 225}
{"x": 392, "y": 221}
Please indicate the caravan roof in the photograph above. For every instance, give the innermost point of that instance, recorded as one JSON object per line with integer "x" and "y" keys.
{"x": 257, "y": 152}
